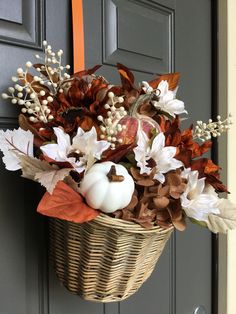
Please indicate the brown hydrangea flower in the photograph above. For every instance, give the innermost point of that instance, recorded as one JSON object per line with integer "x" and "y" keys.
{"x": 154, "y": 203}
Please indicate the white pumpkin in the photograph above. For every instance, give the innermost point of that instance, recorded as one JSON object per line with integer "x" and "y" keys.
{"x": 102, "y": 193}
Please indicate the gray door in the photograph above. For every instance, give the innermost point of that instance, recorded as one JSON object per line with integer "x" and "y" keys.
{"x": 148, "y": 36}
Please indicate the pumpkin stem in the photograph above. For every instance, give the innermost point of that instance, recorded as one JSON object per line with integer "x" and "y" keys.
{"x": 113, "y": 177}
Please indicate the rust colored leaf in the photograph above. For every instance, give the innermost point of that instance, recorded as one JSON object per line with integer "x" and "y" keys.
{"x": 25, "y": 125}
{"x": 127, "y": 77}
{"x": 171, "y": 78}
{"x": 60, "y": 164}
{"x": 204, "y": 148}
{"x": 214, "y": 180}
{"x": 87, "y": 123}
{"x": 87, "y": 72}
{"x": 116, "y": 154}
{"x": 211, "y": 167}
{"x": 65, "y": 203}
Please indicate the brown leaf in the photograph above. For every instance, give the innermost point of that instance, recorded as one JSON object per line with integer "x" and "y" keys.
{"x": 145, "y": 182}
{"x": 136, "y": 174}
{"x": 25, "y": 125}
{"x": 147, "y": 109}
{"x": 172, "y": 178}
{"x": 40, "y": 65}
{"x": 117, "y": 214}
{"x": 163, "y": 190}
{"x": 164, "y": 224}
{"x": 179, "y": 224}
{"x": 161, "y": 202}
{"x": 133, "y": 202}
{"x": 162, "y": 215}
{"x": 175, "y": 210}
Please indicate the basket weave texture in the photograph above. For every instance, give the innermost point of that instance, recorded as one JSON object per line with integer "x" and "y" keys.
{"x": 107, "y": 259}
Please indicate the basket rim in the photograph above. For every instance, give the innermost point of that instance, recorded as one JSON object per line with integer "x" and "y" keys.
{"x": 127, "y": 226}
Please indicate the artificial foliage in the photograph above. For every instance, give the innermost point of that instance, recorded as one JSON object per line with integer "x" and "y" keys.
{"x": 119, "y": 149}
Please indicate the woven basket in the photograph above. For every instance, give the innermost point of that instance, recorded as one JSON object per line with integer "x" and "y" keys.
{"x": 107, "y": 259}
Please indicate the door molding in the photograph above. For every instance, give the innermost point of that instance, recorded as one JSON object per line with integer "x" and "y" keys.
{"x": 25, "y": 25}
{"x": 227, "y": 148}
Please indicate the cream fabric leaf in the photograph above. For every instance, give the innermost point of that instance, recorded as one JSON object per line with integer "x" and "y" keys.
{"x": 15, "y": 143}
{"x": 30, "y": 166}
{"x": 225, "y": 220}
{"x": 49, "y": 179}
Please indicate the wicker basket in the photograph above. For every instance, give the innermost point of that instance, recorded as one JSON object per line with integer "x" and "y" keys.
{"x": 107, "y": 259}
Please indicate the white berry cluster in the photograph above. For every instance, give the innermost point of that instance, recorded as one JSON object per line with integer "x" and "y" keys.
{"x": 110, "y": 126}
{"x": 34, "y": 93}
{"x": 204, "y": 131}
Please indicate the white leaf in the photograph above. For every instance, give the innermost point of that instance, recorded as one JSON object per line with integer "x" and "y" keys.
{"x": 50, "y": 178}
{"x": 14, "y": 143}
{"x": 30, "y": 166}
{"x": 225, "y": 220}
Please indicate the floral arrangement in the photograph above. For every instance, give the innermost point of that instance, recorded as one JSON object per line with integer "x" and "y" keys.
{"x": 119, "y": 150}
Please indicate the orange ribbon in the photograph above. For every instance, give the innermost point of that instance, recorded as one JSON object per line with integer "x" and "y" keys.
{"x": 78, "y": 35}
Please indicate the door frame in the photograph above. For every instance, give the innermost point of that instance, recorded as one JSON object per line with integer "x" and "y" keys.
{"x": 227, "y": 148}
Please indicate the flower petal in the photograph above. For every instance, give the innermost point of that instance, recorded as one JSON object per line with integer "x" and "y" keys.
{"x": 63, "y": 139}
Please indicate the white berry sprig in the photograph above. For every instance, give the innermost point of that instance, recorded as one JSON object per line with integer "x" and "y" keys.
{"x": 53, "y": 68}
{"x": 24, "y": 94}
{"x": 110, "y": 126}
{"x": 204, "y": 131}
{"x": 35, "y": 93}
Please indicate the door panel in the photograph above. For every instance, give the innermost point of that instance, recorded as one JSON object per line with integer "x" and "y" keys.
{"x": 193, "y": 60}
{"x": 126, "y": 24}
{"x": 182, "y": 279}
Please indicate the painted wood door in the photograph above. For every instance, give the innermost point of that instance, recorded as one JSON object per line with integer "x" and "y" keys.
{"x": 24, "y": 24}
{"x": 148, "y": 36}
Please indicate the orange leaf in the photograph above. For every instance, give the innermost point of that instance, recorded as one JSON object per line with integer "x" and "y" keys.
{"x": 171, "y": 78}
{"x": 65, "y": 203}
{"x": 211, "y": 167}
